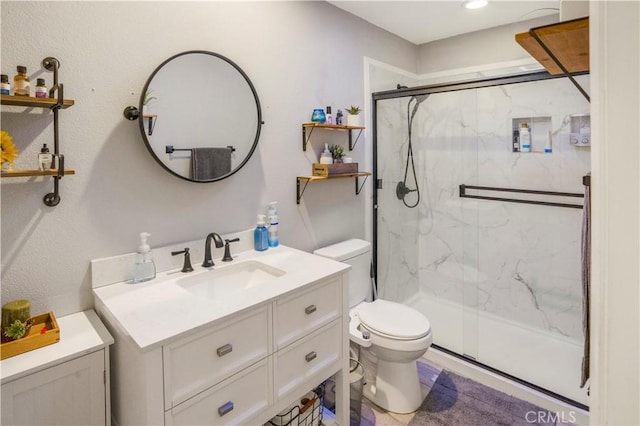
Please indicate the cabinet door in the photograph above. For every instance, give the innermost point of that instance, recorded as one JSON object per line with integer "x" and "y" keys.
{"x": 72, "y": 393}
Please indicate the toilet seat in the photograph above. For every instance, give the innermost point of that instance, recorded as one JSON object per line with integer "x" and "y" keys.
{"x": 393, "y": 320}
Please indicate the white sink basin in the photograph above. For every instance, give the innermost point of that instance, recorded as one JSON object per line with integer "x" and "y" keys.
{"x": 218, "y": 283}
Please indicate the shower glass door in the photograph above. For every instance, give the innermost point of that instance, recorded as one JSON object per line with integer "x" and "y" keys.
{"x": 427, "y": 239}
{"x": 499, "y": 281}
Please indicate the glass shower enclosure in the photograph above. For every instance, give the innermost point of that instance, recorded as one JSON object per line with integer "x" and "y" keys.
{"x": 496, "y": 272}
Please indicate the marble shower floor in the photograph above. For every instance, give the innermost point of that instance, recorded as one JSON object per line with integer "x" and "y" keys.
{"x": 453, "y": 400}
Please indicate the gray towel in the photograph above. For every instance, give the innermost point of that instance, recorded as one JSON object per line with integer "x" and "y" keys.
{"x": 586, "y": 279}
{"x": 210, "y": 163}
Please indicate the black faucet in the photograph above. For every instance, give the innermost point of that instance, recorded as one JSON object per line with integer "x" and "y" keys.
{"x": 227, "y": 252}
{"x": 208, "y": 262}
{"x": 186, "y": 267}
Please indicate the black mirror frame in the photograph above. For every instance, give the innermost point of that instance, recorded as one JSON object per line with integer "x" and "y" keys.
{"x": 255, "y": 96}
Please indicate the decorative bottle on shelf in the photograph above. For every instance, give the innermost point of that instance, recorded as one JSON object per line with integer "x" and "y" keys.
{"x": 339, "y": 119}
{"x": 326, "y": 157}
{"x": 45, "y": 158}
{"x": 41, "y": 89}
{"x": 329, "y": 117}
{"x": 5, "y": 89}
{"x": 21, "y": 85}
{"x": 525, "y": 138}
{"x": 318, "y": 116}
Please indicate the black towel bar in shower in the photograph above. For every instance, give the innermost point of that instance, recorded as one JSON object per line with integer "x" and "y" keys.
{"x": 463, "y": 194}
{"x": 169, "y": 149}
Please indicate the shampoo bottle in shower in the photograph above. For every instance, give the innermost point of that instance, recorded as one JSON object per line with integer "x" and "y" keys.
{"x": 525, "y": 138}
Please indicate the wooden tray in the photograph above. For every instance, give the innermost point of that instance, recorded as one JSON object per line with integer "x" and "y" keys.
{"x": 35, "y": 338}
{"x": 334, "y": 169}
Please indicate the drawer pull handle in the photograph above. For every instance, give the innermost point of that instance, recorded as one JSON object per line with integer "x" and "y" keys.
{"x": 311, "y": 356}
{"x": 225, "y": 408}
{"x": 223, "y": 350}
{"x": 310, "y": 309}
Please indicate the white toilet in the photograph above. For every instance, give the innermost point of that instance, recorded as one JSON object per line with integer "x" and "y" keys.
{"x": 394, "y": 334}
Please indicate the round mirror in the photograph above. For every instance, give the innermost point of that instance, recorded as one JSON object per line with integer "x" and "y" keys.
{"x": 201, "y": 116}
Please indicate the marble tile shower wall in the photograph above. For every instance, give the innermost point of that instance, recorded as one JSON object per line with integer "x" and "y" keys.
{"x": 520, "y": 262}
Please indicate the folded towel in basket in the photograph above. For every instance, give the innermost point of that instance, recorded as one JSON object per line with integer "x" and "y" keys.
{"x": 210, "y": 163}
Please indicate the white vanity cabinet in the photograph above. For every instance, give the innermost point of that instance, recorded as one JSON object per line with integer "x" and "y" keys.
{"x": 242, "y": 368}
{"x": 64, "y": 383}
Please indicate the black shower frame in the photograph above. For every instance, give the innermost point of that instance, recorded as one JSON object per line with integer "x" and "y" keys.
{"x": 442, "y": 88}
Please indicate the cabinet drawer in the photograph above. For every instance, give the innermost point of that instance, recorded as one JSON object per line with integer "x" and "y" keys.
{"x": 318, "y": 355}
{"x": 196, "y": 363}
{"x": 298, "y": 315}
{"x": 234, "y": 401}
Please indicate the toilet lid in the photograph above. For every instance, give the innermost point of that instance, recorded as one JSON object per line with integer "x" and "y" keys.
{"x": 393, "y": 319}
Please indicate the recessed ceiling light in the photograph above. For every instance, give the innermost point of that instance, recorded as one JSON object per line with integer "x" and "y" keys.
{"x": 475, "y": 4}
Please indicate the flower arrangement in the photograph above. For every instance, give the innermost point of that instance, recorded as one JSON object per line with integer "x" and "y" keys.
{"x": 8, "y": 151}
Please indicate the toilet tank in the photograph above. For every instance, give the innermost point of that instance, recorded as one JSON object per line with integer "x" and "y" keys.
{"x": 356, "y": 253}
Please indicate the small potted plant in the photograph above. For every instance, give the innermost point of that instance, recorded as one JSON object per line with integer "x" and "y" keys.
{"x": 337, "y": 152}
{"x": 353, "y": 119}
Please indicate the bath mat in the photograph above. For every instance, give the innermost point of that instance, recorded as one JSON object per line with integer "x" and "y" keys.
{"x": 457, "y": 401}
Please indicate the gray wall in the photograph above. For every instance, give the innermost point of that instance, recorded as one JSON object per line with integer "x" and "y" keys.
{"x": 299, "y": 55}
{"x": 477, "y": 48}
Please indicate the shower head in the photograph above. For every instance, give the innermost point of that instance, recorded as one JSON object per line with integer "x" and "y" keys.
{"x": 418, "y": 99}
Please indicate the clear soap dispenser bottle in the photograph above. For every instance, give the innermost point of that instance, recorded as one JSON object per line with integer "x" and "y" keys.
{"x": 145, "y": 268}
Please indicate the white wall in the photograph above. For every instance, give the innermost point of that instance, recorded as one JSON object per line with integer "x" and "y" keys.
{"x": 477, "y": 48}
{"x": 615, "y": 297}
{"x": 299, "y": 56}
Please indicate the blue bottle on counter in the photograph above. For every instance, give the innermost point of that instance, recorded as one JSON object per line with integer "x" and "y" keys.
{"x": 261, "y": 235}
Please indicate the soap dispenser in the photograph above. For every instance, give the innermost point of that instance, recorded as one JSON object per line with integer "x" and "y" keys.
{"x": 261, "y": 235}
{"x": 144, "y": 269}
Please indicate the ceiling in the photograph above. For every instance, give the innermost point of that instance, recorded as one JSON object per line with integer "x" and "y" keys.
{"x": 429, "y": 20}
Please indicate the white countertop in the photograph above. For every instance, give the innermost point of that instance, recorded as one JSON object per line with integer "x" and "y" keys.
{"x": 157, "y": 311}
{"x": 81, "y": 333}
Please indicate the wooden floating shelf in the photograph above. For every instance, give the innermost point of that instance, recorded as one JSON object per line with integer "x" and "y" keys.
{"x": 568, "y": 41}
{"x": 332, "y": 126}
{"x": 343, "y": 175}
{"x": 29, "y": 101}
{"x": 27, "y": 173}
{"x": 300, "y": 189}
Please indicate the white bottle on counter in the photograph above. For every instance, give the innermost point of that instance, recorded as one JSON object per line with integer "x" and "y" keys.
{"x": 272, "y": 214}
{"x": 525, "y": 138}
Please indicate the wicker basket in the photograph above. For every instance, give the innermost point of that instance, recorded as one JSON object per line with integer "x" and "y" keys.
{"x": 306, "y": 412}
